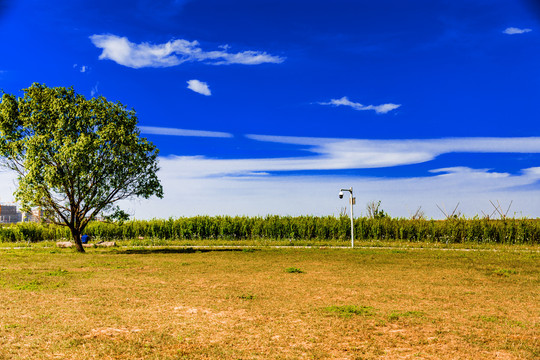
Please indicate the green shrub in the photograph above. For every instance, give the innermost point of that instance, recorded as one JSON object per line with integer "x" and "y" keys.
{"x": 304, "y": 228}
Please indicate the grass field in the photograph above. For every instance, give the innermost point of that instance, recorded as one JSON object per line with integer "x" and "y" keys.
{"x": 269, "y": 304}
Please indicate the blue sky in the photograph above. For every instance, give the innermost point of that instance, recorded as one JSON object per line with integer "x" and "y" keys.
{"x": 271, "y": 106}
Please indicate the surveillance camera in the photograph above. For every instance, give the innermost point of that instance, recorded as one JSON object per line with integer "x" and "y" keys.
{"x": 341, "y": 194}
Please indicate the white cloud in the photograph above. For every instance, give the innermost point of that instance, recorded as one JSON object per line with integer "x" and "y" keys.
{"x": 199, "y": 87}
{"x": 198, "y": 185}
{"x": 339, "y": 154}
{"x": 173, "y": 53}
{"x": 8, "y": 186}
{"x": 82, "y": 68}
{"x": 379, "y": 109}
{"x": 514, "y": 31}
{"x": 182, "y": 132}
{"x": 534, "y": 172}
{"x": 317, "y": 195}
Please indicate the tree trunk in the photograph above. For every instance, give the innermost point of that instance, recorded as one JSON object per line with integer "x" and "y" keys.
{"x": 77, "y": 239}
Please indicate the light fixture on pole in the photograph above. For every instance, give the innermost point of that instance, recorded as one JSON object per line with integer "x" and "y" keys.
{"x": 352, "y": 201}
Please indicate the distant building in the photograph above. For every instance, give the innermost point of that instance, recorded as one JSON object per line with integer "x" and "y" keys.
{"x": 34, "y": 215}
{"x": 9, "y": 214}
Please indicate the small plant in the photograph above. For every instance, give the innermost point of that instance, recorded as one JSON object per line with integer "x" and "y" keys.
{"x": 488, "y": 318}
{"x": 247, "y": 297}
{"x": 248, "y": 250}
{"x": 293, "y": 270}
{"x": 59, "y": 272}
{"x": 504, "y": 272}
{"x": 350, "y": 310}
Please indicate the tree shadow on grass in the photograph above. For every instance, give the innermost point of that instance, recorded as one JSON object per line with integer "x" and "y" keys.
{"x": 175, "y": 251}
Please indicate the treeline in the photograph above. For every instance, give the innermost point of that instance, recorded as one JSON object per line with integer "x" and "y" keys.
{"x": 507, "y": 231}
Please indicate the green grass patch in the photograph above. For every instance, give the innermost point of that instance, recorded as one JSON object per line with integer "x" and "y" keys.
{"x": 504, "y": 272}
{"x": 486, "y": 318}
{"x": 399, "y": 251}
{"x": 396, "y": 315}
{"x": 33, "y": 285}
{"x": 59, "y": 272}
{"x": 293, "y": 270}
{"x": 350, "y": 310}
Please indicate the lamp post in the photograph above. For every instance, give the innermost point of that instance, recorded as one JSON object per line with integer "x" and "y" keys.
{"x": 352, "y": 201}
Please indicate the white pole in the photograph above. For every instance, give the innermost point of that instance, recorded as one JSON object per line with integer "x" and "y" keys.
{"x": 351, "y": 201}
{"x": 352, "y": 220}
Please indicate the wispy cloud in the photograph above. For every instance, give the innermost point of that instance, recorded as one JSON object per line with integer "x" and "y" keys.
{"x": 379, "y": 109}
{"x": 173, "y": 53}
{"x": 199, "y": 87}
{"x": 515, "y": 31}
{"x": 339, "y": 154}
{"x": 183, "y": 132}
{"x": 317, "y": 195}
{"x": 82, "y": 68}
{"x": 95, "y": 90}
{"x": 437, "y": 146}
{"x": 200, "y": 185}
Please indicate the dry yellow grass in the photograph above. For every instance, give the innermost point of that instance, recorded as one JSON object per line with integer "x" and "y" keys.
{"x": 340, "y": 304}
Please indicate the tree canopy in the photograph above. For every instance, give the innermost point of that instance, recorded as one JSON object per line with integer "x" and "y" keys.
{"x": 74, "y": 157}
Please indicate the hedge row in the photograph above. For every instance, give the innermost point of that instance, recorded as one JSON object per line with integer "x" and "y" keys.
{"x": 507, "y": 231}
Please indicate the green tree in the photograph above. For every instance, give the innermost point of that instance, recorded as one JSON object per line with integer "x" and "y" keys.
{"x": 117, "y": 215}
{"x": 374, "y": 210}
{"x": 74, "y": 157}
